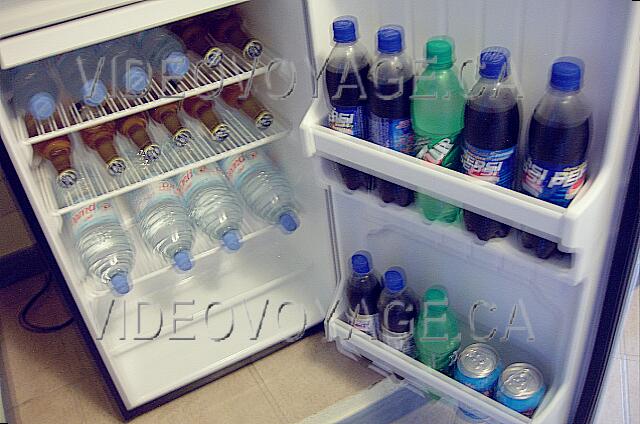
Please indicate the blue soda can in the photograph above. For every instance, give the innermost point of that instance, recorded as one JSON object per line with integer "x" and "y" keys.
{"x": 521, "y": 388}
{"x": 478, "y": 367}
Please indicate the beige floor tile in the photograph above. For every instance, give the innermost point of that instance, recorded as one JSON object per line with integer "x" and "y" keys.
{"x": 631, "y": 342}
{"x": 310, "y": 375}
{"x": 16, "y": 235}
{"x": 6, "y": 200}
{"x": 96, "y": 406}
{"x": 633, "y": 390}
{"x": 58, "y": 407}
{"x": 611, "y": 404}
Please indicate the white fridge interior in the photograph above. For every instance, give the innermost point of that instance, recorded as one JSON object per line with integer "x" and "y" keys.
{"x": 278, "y": 284}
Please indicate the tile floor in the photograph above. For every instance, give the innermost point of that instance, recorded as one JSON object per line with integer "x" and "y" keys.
{"x": 51, "y": 378}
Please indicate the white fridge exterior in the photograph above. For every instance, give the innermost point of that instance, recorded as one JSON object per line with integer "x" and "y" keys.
{"x": 542, "y": 312}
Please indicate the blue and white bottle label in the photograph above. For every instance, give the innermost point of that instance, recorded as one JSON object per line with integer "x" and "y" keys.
{"x": 366, "y": 323}
{"x": 494, "y": 166}
{"x": 554, "y": 183}
{"x": 151, "y": 195}
{"x": 395, "y": 134}
{"x": 403, "y": 342}
{"x": 92, "y": 215}
{"x": 350, "y": 120}
{"x": 238, "y": 167}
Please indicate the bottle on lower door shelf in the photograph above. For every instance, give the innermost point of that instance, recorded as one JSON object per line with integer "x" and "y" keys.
{"x": 167, "y": 115}
{"x": 397, "y": 309}
{"x": 58, "y": 152}
{"x": 233, "y": 95}
{"x": 212, "y": 204}
{"x": 204, "y": 111}
{"x": 163, "y": 221}
{"x": 363, "y": 292}
{"x": 263, "y": 186}
{"x": 134, "y": 127}
{"x": 196, "y": 37}
{"x": 104, "y": 247}
{"x": 437, "y": 335}
{"x": 100, "y": 138}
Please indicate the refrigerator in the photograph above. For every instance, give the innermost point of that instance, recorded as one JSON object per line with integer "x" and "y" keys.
{"x": 174, "y": 332}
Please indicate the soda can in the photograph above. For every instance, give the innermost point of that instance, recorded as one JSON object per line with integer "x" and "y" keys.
{"x": 478, "y": 367}
{"x": 521, "y": 388}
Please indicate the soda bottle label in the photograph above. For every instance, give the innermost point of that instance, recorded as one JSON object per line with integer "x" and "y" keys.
{"x": 238, "y": 167}
{"x": 348, "y": 120}
{"x": 366, "y": 323}
{"x": 553, "y": 183}
{"x": 494, "y": 166}
{"x": 403, "y": 342}
{"x": 151, "y": 195}
{"x": 395, "y": 134}
{"x": 93, "y": 214}
{"x": 191, "y": 181}
{"x": 439, "y": 151}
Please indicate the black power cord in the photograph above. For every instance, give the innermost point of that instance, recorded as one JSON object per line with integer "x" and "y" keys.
{"x": 24, "y": 312}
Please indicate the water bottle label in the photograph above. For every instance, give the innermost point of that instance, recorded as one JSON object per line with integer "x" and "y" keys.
{"x": 494, "y": 166}
{"x": 94, "y": 214}
{"x": 395, "y": 134}
{"x": 151, "y": 195}
{"x": 238, "y": 167}
{"x": 191, "y": 181}
{"x": 557, "y": 184}
{"x": 440, "y": 151}
{"x": 403, "y": 342}
{"x": 366, "y": 323}
{"x": 349, "y": 120}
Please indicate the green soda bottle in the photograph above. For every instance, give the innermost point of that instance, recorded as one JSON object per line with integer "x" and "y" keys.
{"x": 437, "y": 335}
{"x": 437, "y": 113}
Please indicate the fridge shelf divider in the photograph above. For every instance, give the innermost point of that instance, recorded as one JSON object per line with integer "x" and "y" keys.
{"x": 200, "y": 79}
{"x": 95, "y": 184}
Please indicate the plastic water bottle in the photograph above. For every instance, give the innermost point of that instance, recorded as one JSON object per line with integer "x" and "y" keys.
{"x": 165, "y": 52}
{"x": 263, "y": 187}
{"x": 437, "y": 110}
{"x": 212, "y": 204}
{"x": 491, "y": 132}
{"x": 555, "y": 167}
{"x": 437, "y": 335}
{"x": 391, "y": 82}
{"x": 398, "y": 308}
{"x": 363, "y": 291}
{"x": 103, "y": 244}
{"x": 163, "y": 221}
{"x": 35, "y": 91}
{"x": 125, "y": 67}
{"x": 346, "y": 79}
{"x": 82, "y": 75}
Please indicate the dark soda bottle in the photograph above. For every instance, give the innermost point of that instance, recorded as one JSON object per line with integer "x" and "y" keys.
{"x": 363, "y": 291}
{"x": 346, "y": 79}
{"x": 555, "y": 167}
{"x": 391, "y": 82}
{"x": 491, "y": 131}
{"x": 398, "y": 309}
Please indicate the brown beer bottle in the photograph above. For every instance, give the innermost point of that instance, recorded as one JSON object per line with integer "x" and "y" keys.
{"x": 227, "y": 28}
{"x": 203, "y": 111}
{"x": 233, "y": 95}
{"x": 58, "y": 152}
{"x": 100, "y": 139}
{"x": 167, "y": 115}
{"x": 194, "y": 36}
{"x": 135, "y": 128}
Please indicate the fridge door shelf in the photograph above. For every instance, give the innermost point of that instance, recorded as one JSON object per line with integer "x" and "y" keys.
{"x": 71, "y": 117}
{"x": 95, "y": 183}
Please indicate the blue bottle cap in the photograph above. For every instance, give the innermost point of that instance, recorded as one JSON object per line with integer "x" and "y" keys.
{"x": 94, "y": 93}
{"x": 390, "y": 39}
{"x": 42, "y": 105}
{"x": 177, "y": 64}
{"x": 120, "y": 283}
{"x": 360, "y": 264}
{"x": 393, "y": 280}
{"x": 288, "y": 221}
{"x": 183, "y": 260}
{"x": 566, "y": 76}
{"x": 231, "y": 239}
{"x": 344, "y": 30}
{"x": 136, "y": 80}
{"x": 494, "y": 63}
